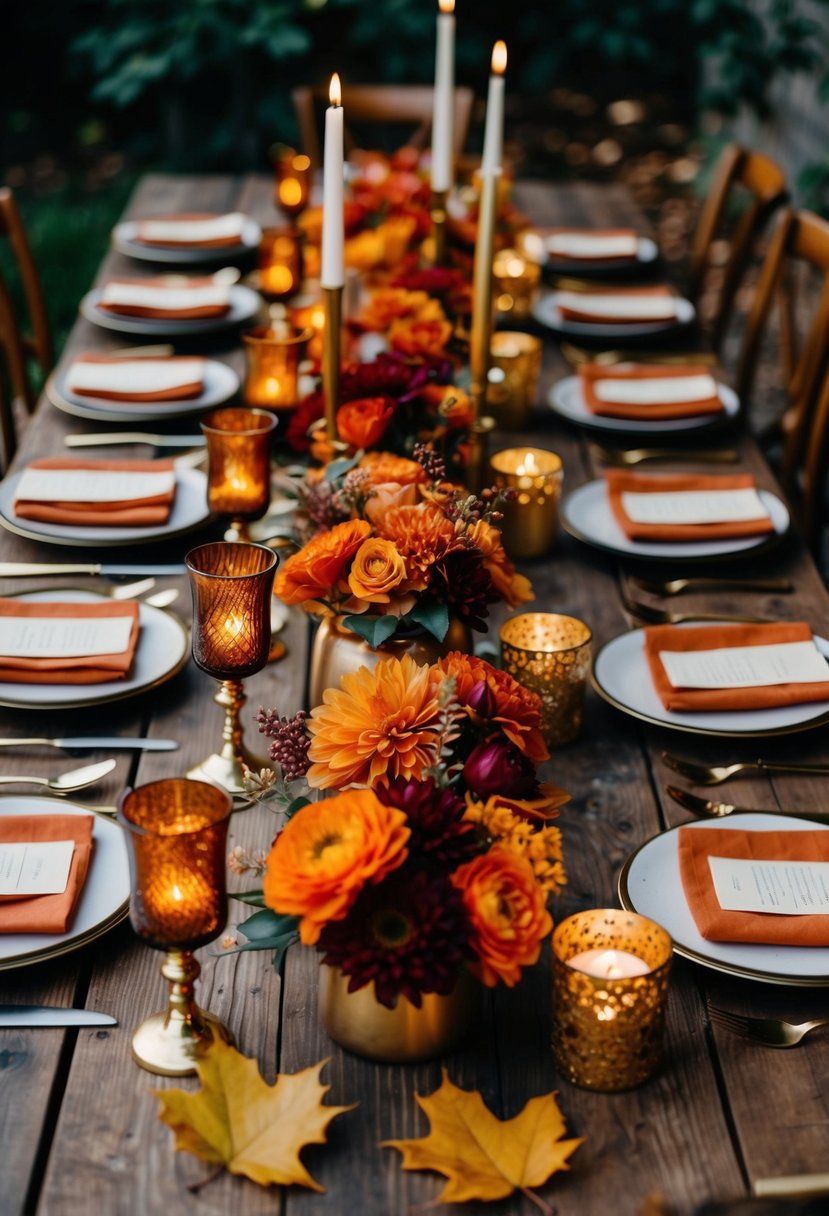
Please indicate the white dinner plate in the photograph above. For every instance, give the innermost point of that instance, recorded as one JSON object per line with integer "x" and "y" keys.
{"x": 104, "y": 901}
{"x": 244, "y": 305}
{"x": 547, "y": 313}
{"x": 650, "y": 885}
{"x": 586, "y": 514}
{"x": 567, "y": 400}
{"x": 162, "y": 651}
{"x": 621, "y": 675}
{"x": 189, "y": 512}
{"x": 220, "y": 384}
{"x": 647, "y": 252}
{"x": 123, "y": 239}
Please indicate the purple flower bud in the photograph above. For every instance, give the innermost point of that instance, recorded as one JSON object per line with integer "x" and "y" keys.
{"x": 481, "y": 700}
{"x": 499, "y": 768}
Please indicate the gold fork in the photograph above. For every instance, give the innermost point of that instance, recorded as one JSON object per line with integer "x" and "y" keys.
{"x": 703, "y": 808}
{"x": 716, "y": 774}
{"x": 627, "y": 458}
{"x": 675, "y": 586}
{"x": 771, "y": 1032}
{"x": 661, "y": 616}
{"x": 577, "y": 355}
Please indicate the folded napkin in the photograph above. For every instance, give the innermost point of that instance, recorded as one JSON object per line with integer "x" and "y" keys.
{"x": 62, "y": 628}
{"x": 122, "y": 379}
{"x": 108, "y": 493}
{"x": 199, "y": 229}
{"x": 47, "y": 913}
{"x": 648, "y": 392}
{"x": 718, "y": 924}
{"x": 193, "y": 297}
{"x": 621, "y": 483}
{"x": 630, "y": 305}
{"x": 588, "y": 244}
{"x": 715, "y": 637}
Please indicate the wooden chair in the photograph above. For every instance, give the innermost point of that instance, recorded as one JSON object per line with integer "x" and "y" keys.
{"x": 379, "y": 105}
{"x": 754, "y": 185}
{"x": 18, "y": 343}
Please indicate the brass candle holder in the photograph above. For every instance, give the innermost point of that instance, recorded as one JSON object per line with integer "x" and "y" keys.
{"x": 231, "y": 584}
{"x": 530, "y": 521}
{"x": 293, "y": 178}
{"x": 274, "y": 353}
{"x": 515, "y": 366}
{"x": 550, "y": 654}
{"x": 280, "y": 263}
{"x": 516, "y": 283}
{"x": 610, "y": 985}
{"x": 238, "y": 465}
{"x": 176, "y": 833}
{"x": 308, "y": 312}
{"x": 481, "y": 334}
{"x": 437, "y": 212}
{"x": 332, "y": 341}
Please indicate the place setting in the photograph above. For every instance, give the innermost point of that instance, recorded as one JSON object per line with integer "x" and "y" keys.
{"x": 612, "y": 314}
{"x": 172, "y": 305}
{"x": 188, "y": 239}
{"x": 585, "y": 252}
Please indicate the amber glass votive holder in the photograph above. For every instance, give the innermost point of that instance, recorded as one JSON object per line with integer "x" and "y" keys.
{"x": 232, "y": 583}
{"x": 238, "y": 465}
{"x": 550, "y": 654}
{"x": 293, "y": 179}
{"x": 530, "y": 521}
{"x": 516, "y": 280}
{"x": 176, "y": 833}
{"x": 280, "y": 263}
{"x": 307, "y": 312}
{"x": 608, "y": 1027}
{"x": 514, "y": 369}
{"x": 274, "y": 354}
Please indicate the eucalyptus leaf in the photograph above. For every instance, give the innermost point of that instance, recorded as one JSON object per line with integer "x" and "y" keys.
{"x": 374, "y": 629}
{"x": 433, "y": 616}
{"x": 255, "y": 898}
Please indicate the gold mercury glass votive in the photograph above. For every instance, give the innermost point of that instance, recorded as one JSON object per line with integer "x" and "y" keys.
{"x": 550, "y": 654}
{"x": 610, "y": 987}
{"x": 274, "y": 354}
{"x": 280, "y": 263}
{"x": 530, "y": 521}
{"x": 514, "y": 369}
{"x": 238, "y": 465}
{"x": 516, "y": 282}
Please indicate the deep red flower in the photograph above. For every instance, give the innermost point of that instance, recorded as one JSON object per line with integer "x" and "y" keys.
{"x": 499, "y": 768}
{"x": 435, "y": 818}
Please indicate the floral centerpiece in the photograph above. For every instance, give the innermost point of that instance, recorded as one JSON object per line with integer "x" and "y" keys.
{"x": 439, "y": 854}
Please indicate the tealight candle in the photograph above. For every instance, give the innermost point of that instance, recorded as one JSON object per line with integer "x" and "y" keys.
{"x": 513, "y": 378}
{"x": 292, "y": 185}
{"x": 516, "y": 282}
{"x": 308, "y": 312}
{"x": 610, "y": 984}
{"x": 280, "y": 263}
{"x": 550, "y": 654}
{"x": 531, "y": 518}
{"x": 238, "y": 457}
{"x": 274, "y": 354}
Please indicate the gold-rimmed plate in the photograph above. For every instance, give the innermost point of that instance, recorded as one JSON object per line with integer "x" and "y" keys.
{"x": 104, "y": 900}
{"x": 162, "y": 651}
{"x": 221, "y": 383}
{"x": 650, "y": 884}
{"x": 621, "y": 676}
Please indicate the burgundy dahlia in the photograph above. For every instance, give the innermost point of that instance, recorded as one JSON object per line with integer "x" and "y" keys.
{"x": 498, "y": 767}
{"x": 464, "y": 584}
{"x": 435, "y": 818}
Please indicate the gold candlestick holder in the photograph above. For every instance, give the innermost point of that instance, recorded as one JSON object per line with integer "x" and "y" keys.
{"x": 437, "y": 211}
{"x": 332, "y": 338}
{"x": 478, "y": 467}
{"x": 481, "y": 336}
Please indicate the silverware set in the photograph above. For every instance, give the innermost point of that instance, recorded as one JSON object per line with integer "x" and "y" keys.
{"x": 65, "y": 783}
{"x": 771, "y": 1032}
{"x": 715, "y": 774}
{"x": 652, "y": 615}
{"x": 707, "y": 809}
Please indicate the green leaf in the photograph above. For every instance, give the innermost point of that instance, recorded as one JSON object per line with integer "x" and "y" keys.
{"x": 433, "y": 616}
{"x": 265, "y": 924}
{"x": 375, "y": 629}
{"x": 279, "y": 943}
{"x": 255, "y": 898}
{"x": 338, "y": 467}
{"x": 296, "y": 804}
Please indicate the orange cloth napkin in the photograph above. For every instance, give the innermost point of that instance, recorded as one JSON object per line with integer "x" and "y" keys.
{"x": 47, "y": 913}
{"x": 621, "y": 482}
{"x": 135, "y": 512}
{"x": 590, "y": 373}
{"x": 565, "y": 256}
{"x": 716, "y": 924}
{"x": 145, "y": 235}
{"x": 171, "y": 302}
{"x": 121, "y": 365}
{"x": 82, "y": 669}
{"x": 713, "y": 637}
{"x": 571, "y": 310}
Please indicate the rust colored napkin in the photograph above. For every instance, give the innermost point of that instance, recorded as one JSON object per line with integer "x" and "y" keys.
{"x": 591, "y": 373}
{"x": 564, "y": 255}
{"x": 124, "y": 379}
{"x": 197, "y": 296}
{"x": 620, "y": 482}
{"x": 47, "y": 913}
{"x": 717, "y": 924}
{"x": 134, "y": 512}
{"x": 82, "y": 669}
{"x": 574, "y": 309}
{"x": 713, "y": 637}
{"x": 178, "y": 232}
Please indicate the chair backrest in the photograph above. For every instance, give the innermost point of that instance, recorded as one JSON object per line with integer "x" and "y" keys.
{"x": 379, "y": 105}
{"x": 20, "y": 342}
{"x": 753, "y": 185}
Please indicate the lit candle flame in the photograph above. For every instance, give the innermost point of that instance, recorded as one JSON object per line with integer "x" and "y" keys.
{"x": 447, "y": 6}
{"x": 608, "y": 967}
{"x": 177, "y": 895}
{"x": 335, "y": 93}
{"x": 527, "y": 467}
{"x": 499, "y": 58}
{"x": 234, "y": 625}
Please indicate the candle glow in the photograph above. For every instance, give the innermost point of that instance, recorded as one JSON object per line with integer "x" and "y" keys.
{"x": 499, "y": 58}
{"x": 335, "y": 92}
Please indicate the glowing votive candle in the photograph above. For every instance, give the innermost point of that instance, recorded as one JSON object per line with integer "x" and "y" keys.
{"x": 608, "y": 964}
{"x": 530, "y": 521}
{"x": 549, "y": 653}
{"x": 274, "y": 354}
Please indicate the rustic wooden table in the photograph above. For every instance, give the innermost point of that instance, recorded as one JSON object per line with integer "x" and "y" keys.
{"x": 78, "y": 1118}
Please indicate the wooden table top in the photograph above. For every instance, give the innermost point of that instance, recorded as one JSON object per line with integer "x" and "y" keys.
{"x": 78, "y": 1118}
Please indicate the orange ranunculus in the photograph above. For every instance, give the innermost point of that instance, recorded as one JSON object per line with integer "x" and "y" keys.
{"x": 506, "y": 909}
{"x": 452, "y": 405}
{"x": 422, "y": 536}
{"x": 517, "y": 709}
{"x": 396, "y": 232}
{"x": 376, "y": 570}
{"x": 385, "y": 466}
{"x": 364, "y": 422}
{"x": 376, "y": 725}
{"x": 327, "y": 852}
{"x": 420, "y": 336}
{"x": 388, "y": 304}
{"x": 317, "y": 571}
{"x": 513, "y": 587}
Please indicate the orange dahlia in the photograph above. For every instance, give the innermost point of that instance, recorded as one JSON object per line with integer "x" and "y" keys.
{"x": 422, "y": 536}
{"x": 514, "y": 588}
{"x": 505, "y": 906}
{"x": 318, "y": 569}
{"x": 377, "y": 725}
{"x": 388, "y": 304}
{"x": 420, "y": 336}
{"x": 384, "y": 467}
{"x": 326, "y": 854}
{"x": 517, "y": 709}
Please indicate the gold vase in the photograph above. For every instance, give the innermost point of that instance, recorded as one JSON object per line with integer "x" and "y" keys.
{"x": 402, "y": 1035}
{"x": 337, "y": 651}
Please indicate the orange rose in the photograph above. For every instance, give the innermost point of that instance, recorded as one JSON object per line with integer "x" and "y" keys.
{"x": 376, "y": 570}
{"x": 327, "y": 852}
{"x": 517, "y": 709}
{"x": 385, "y": 466}
{"x": 505, "y": 906}
{"x": 418, "y": 336}
{"x": 514, "y": 588}
{"x": 314, "y": 573}
{"x": 364, "y": 422}
{"x": 453, "y": 405}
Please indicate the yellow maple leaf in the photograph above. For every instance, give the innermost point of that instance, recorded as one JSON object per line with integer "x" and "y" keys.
{"x": 239, "y": 1121}
{"x": 482, "y": 1156}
